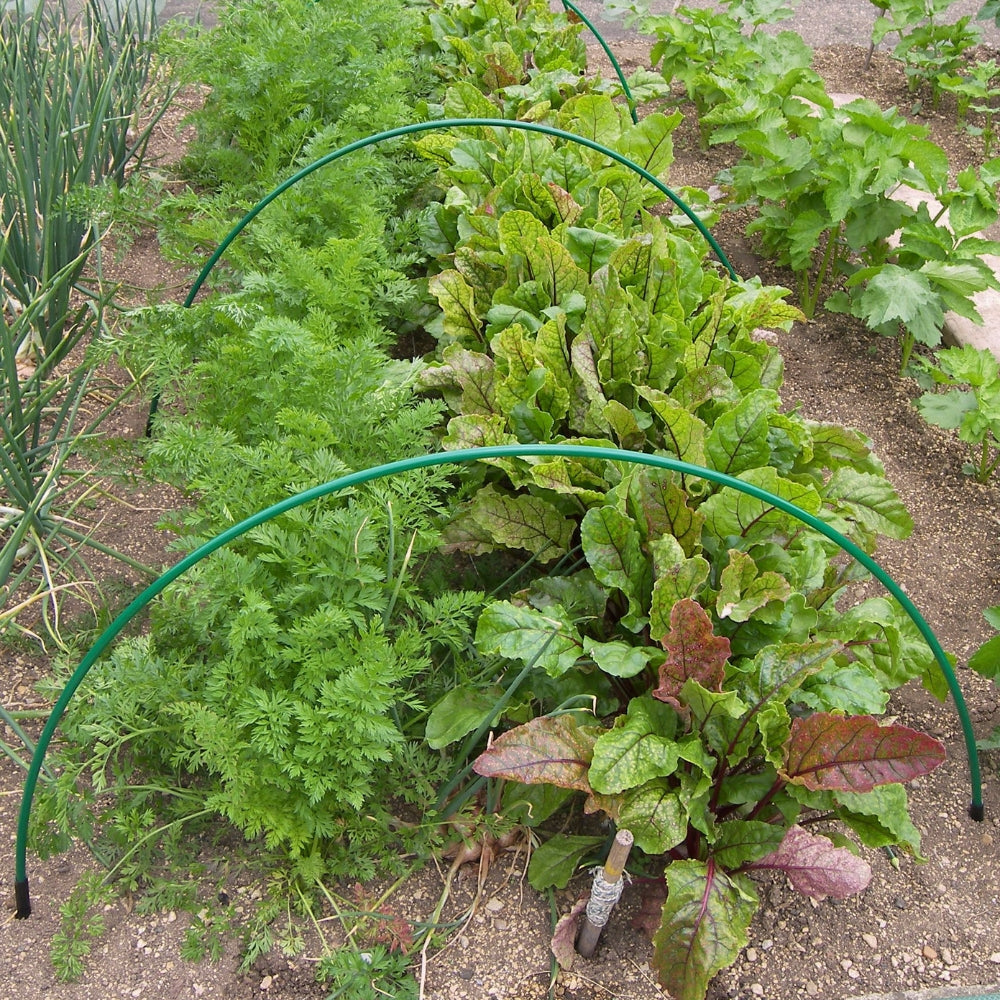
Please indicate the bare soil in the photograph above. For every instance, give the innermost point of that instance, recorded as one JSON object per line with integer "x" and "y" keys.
{"x": 918, "y": 925}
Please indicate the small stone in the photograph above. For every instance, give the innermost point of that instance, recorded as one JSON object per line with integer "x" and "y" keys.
{"x": 929, "y": 953}
{"x": 946, "y": 956}
{"x": 494, "y": 905}
{"x": 756, "y": 989}
{"x": 767, "y": 945}
{"x": 899, "y": 902}
{"x": 751, "y": 954}
{"x": 995, "y": 958}
{"x": 854, "y": 974}
{"x": 171, "y": 916}
{"x": 870, "y": 940}
{"x": 464, "y": 942}
{"x": 265, "y": 983}
{"x": 466, "y": 974}
{"x": 500, "y": 925}
{"x": 811, "y": 988}
{"x": 945, "y": 975}
{"x": 987, "y": 839}
{"x": 845, "y": 964}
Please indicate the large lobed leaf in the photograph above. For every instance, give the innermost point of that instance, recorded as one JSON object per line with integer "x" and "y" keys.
{"x": 855, "y": 753}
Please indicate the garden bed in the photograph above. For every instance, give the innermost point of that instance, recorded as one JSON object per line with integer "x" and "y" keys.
{"x": 916, "y": 925}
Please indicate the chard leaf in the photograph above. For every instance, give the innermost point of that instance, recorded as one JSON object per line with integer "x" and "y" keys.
{"x": 694, "y": 652}
{"x": 523, "y": 521}
{"x": 664, "y": 508}
{"x": 477, "y": 430}
{"x": 618, "y": 658}
{"x": 640, "y": 747}
{"x": 593, "y": 116}
{"x": 555, "y": 862}
{"x": 612, "y": 546}
{"x": 721, "y": 717}
{"x": 783, "y": 668}
{"x": 742, "y": 591}
{"x": 739, "y": 438}
{"x": 815, "y": 867}
{"x": 855, "y": 754}
{"x": 741, "y": 841}
{"x": 655, "y": 815}
{"x": 677, "y": 578}
{"x": 556, "y": 751}
{"x": 683, "y": 433}
{"x": 590, "y": 249}
{"x": 703, "y": 926}
{"x": 457, "y": 300}
{"x": 649, "y": 143}
{"x": 464, "y": 100}
{"x": 729, "y": 512}
{"x": 880, "y": 817}
{"x": 844, "y": 687}
{"x": 520, "y": 633}
{"x": 870, "y": 500}
{"x": 458, "y": 713}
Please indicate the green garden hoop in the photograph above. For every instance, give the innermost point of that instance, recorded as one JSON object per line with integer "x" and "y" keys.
{"x": 567, "y": 6}
{"x": 21, "y": 892}
{"x": 441, "y": 123}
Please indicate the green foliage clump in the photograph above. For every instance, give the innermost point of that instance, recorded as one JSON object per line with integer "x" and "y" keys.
{"x": 282, "y": 73}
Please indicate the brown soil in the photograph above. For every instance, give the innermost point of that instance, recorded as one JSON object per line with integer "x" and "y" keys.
{"x": 917, "y": 925}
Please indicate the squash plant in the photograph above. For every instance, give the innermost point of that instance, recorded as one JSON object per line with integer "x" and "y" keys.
{"x": 734, "y": 688}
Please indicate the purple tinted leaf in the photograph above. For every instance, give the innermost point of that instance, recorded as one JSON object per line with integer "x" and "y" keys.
{"x": 815, "y": 867}
{"x": 556, "y": 751}
{"x": 855, "y": 753}
{"x": 564, "y": 937}
{"x": 693, "y": 652}
{"x": 703, "y": 927}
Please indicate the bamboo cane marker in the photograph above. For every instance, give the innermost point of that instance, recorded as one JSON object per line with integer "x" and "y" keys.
{"x": 607, "y": 889}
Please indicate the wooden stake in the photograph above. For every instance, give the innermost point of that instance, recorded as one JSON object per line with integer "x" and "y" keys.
{"x": 608, "y": 884}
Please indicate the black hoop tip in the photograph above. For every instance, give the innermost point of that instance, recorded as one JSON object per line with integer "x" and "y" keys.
{"x": 22, "y": 900}
{"x": 977, "y": 812}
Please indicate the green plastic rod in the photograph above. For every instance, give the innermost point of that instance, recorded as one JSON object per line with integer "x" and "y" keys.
{"x": 21, "y": 893}
{"x": 607, "y": 51}
{"x": 443, "y": 123}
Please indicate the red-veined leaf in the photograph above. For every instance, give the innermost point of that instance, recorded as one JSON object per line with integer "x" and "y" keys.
{"x": 693, "y": 651}
{"x": 556, "y": 751}
{"x": 855, "y": 754}
{"x": 815, "y": 867}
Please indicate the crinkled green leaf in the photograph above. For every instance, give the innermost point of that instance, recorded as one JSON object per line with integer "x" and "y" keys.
{"x": 739, "y": 438}
{"x": 613, "y": 549}
{"x": 458, "y": 713}
{"x": 640, "y": 747}
{"x": 721, "y": 718}
{"x": 844, "y": 687}
{"x": 743, "y": 590}
{"x": 677, "y": 578}
{"x": 880, "y": 817}
{"x": 620, "y": 659}
{"x": 523, "y": 521}
{"x": 555, "y": 862}
{"x": 655, "y": 815}
{"x": 869, "y": 500}
{"x": 729, "y": 512}
{"x": 741, "y": 841}
{"x": 664, "y": 508}
{"x": 649, "y": 143}
{"x": 520, "y": 633}
{"x": 703, "y": 926}
{"x": 457, "y": 300}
